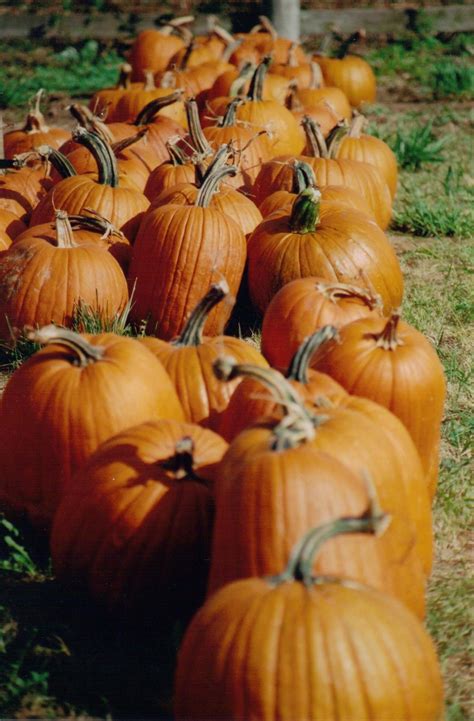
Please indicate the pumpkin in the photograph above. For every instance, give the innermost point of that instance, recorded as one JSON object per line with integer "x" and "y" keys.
{"x": 262, "y": 40}
{"x": 298, "y": 73}
{"x": 123, "y": 206}
{"x": 21, "y": 190}
{"x": 305, "y": 305}
{"x": 132, "y": 102}
{"x": 335, "y": 244}
{"x": 63, "y": 402}
{"x": 269, "y": 115}
{"x": 234, "y": 204}
{"x": 303, "y": 177}
{"x": 295, "y": 646}
{"x": 188, "y": 360}
{"x": 321, "y": 112}
{"x": 44, "y": 277}
{"x": 35, "y": 132}
{"x": 178, "y": 169}
{"x": 352, "y": 74}
{"x": 10, "y": 223}
{"x": 248, "y": 405}
{"x": 368, "y": 149}
{"x": 393, "y": 364}
{"x": 104, "y": 102}
{"x": 134, "y": 527}
{"x": 153, "y": 49}
{"x": 178, "y": 252}
{"x": 365, "y": 437}
{"x": 319, "y": 92}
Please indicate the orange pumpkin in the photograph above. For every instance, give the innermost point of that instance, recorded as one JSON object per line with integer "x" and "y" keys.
{"x": 134, "y": 527}
{"x": 305, "y": 305}
{"x": 294, "y": 646}
{"x": 63, "y": 402}
{"x": 395, "y": 365}
{"x": 35, "y": 132}
{"x": 153, "y": 49}
{"x": 188, "y": 360}
{"x": 335, "y": 244}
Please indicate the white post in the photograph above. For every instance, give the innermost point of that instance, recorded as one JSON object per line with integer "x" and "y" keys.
{"x": 286, "y": 18}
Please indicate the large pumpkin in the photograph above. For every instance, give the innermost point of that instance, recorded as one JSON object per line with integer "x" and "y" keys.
{"x": 135, "y": 526}
{"x": 336, "y": 244}
{"x": 62, "y": 403}
{"x": 294, "y": 647}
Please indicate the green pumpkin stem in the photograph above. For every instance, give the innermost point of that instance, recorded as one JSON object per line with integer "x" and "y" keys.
{"x": 303, "y": 177}
{"x": 127, "y": 142}
{"x": 96, "y": 223}
{"x": 301, "y": 561}
{"x": 198, "y": 138}
{"x": 84, "y": 352}
{"x": 304, "y": 216}
{"x": 192, "y": 334}
{"x": 256, "y": 85}
{"x": 298, "y": 368}
{"x": 335, "y": 137}
{"x": 213, "y": 176}
{"x": 60, "y": 162}
{"x": 298, "y": 424}
{"x": 104, "y": 156}
{"x": 147, "y": 113}
{"x": 314, "y": 137}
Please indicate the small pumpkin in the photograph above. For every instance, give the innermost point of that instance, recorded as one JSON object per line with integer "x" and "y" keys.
{"x": 35, "y": 132}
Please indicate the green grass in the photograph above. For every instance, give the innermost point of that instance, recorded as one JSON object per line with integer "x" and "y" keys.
{"x": 73, "y": 71}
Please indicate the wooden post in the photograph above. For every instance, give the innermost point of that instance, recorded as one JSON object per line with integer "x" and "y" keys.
{"x": 286, "y": 18}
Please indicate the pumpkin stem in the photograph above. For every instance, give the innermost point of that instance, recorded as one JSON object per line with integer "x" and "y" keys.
{"x": 214, "y": 175}
{"x": 147, "y": 113}
{"x": 177, "y": 156}
{"x": 388, "y": 339}
{"x": 303, "y": 177}
{"x": 344, "y": 47}
{"x": 59, "y": 161}
{"x": 298, "y": 424}
{"x": 304, "y": 216}
{"x": 35, "y": 122}
{"x": 85, "y": 352}
{"x": 124, "y": 79}
{"x": 334, "y": 291}
{"x": 292, "y": 102}
{"x": 149, "y": 80}
{"x": 314, "y": 137}
{"x": 292, "y": 62}
{"x": 356, "y": 126}
{"x": 193, "y": 330}
{"x": 88, "y": 120}
{"x": 198, "y": 138}
{"x": 127, "y": 142}
{"x": 181, "y": 464}
{"x": 191, "y": 44}
{"x": 268, "y": 26}
{"x": 316, "y": 80}
{"x": 103, "y": 155}
{"x": 96, "y": 223}
{"x": 298, "y": 368}
{"x": 167, "y": 26}
{"x": 335, "y": 137}
{"x": 229, "y": 118}
{"x": 301, "y": 561}
{"x": 255, "y": 92}
{"x": 237, "y": 86}
{"x": 64, "y": 234}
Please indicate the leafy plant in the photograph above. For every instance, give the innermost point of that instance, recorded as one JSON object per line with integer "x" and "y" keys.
{"x": 449, "y": 78}
{"x": 416, "y": 146}
{"x": 438, "y": 218}
{"x": 17, "y": 559}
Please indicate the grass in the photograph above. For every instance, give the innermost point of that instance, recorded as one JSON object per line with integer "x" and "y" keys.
{"x": 61, "y": 656}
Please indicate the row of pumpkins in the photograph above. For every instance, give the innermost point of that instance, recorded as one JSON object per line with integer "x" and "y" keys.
{"x": 292, "y": 486}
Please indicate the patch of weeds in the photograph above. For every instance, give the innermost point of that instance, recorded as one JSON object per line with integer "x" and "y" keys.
{"x": 434, "y": 218}
{"x": 14, "y": 557}
{"x": 416, "y": 146}
{"x": 449, "y": 78}
{"x": 13, "y": 354}
{"x": 86, "y": 319}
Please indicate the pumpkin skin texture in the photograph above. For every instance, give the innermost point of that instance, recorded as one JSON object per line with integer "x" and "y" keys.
{"x": 152, "y": 50}
{"x": 353, "y": 75}
{"x": 178, "y": 252}
{"x": 188, "y": 360}
{"x": 21, "y": 190}
{"x": 43, "y": 279}
{"x": 305, "y": 305}
{"x": 322, "y": 649}
{"x": 135, "y": 526}
{"x": 393, "y": 364}
{"x": 61, "y": 401}
{"x": 369, "y": 440}
{"x": 340, "y": 245}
